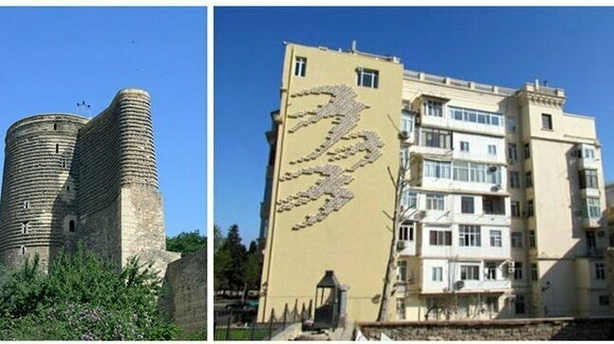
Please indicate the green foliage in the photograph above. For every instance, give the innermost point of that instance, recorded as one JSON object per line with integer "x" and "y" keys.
{"x": 236, "y": 268}
{"x": 186, "y": 243}
{"x": 82, "y": 298}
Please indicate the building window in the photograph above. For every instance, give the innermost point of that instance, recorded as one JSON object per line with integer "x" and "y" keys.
{"x": 475, "y": 172}
{"x": 438, "y": 169}
{"x": 400, "y": 309}
{"x": 546, "y": 121}
{"x": 469, "y": 235}
{"x": 515, "y": 208}
{"x": 23, "y": 250}
{"x": 532, "y": 239}
{"x": 519, "y": 307}
{"x": 534, "y": 274}
{"x": 57, "y": 148}
{"x": 492, "y": 304}
{"x": 592, "y": 205}
{"x": 406, "y": 232}
{"x": 368, "y": 78}
{"x": 495, "y": 238}
{"x": 517, "y": 240}
{"x": 600, "y": 271}
{"x": 440, "y": 238}
{"x": 512, "y": 153}
{"x": 514, "y": 179}
{"x": 467, "y": 205}
{"x": 407, "y": 122}
{"x": 71, "y": 226}
{"x": 25, "y": 227}
{"x": 493, "y": 205}
{"x": 589, "y": 153}
{"x": 517, "y": 271}
{"x": 492, "y": 149}
{"x": 491, "y": 271}
{"x": 588, "y": 179}
{"x": 470, "y": 272}
{"x": 527, "y": 151}
{"x": 464, "y": 146}
{"x": 300, "y": 66}
{"x": 409, "y": 199}
{"x": 433, "y": 108}
{"x": 511, "y": 124}
{"x": 437, "y": 274}
{"x": 55, "y": 126}
{"x": 604, "y": 300}
{"x": 404, "y": 157}
{"x": 26, "y": 204}
{"x": 436, "y": 138}
{"x": 476, "y": 116}
{"x": 529, "y": 179}
{"x": 530, "y": 210}
{"x": 401, "y": 270}
{"x": 435, "y": 202}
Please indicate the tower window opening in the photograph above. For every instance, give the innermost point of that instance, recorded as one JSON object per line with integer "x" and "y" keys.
{"x": 67, "y": 187}
{"x": 26, "y": 204}
{"x": 25, "y": 227}
{"x": 71, "y": 226}
{"x": 23, "y": 250}
{"x": 57, "y": 148}
{"x": 55, "y": 126}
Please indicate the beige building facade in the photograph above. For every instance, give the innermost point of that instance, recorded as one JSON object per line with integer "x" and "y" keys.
{"x": 502, "y": 203}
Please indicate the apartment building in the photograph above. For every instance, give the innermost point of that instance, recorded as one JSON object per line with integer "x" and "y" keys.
{"x": 502, "y": 201}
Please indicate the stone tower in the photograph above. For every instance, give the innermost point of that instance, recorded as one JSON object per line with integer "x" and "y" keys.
{"x": 68, "y": 179}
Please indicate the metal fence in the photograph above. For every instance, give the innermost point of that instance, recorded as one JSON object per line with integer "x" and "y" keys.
{"x": 241, "y": 324}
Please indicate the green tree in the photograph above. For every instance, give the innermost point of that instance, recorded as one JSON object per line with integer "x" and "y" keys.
{"x": 186, "y": 243}
{"x": 82, "y": 298}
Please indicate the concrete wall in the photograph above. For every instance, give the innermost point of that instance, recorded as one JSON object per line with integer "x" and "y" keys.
{"x": 534, "y": 329}
{"x": 186, "y": 301}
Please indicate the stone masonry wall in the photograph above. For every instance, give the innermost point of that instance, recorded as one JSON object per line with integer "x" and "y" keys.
{"x": 38, "y": 187}
{"x": 68, "y": 179}
{"x": 527, "y": 329}
{"x": 186, "y": 301}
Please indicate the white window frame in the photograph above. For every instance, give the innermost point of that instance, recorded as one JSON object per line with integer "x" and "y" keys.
{"x": 496, "y": 239}
{"x": 406, "y": 232}
{"x": 433, "y": 108}
{"x": 517, "y": 239}
{"x": 435, "y": 202}
{"x": 368, "y": 78}
{"x": 469, "y": 236}
{"x": 470, "y": 272}
{"x": 437, "y": 274}
{"x": 464, "y": 146}
{"x": 407, "y": 121}
{"x": 300, "y": 66}
{"x": 593, "y": 208}
{"x": 492, "y": 150}
{"x": 599, "y": 271}
{"x": 409, "y": 199}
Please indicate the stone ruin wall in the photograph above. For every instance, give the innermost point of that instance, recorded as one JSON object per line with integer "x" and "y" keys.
{"x": 103, "y": 178}
{"x": 517, "y": 330}
{"x": 186, "y": 300}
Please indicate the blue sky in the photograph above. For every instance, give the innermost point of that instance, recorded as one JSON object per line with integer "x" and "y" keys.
{"x": 52, "y": 58}
{"x": 571, "y": 48}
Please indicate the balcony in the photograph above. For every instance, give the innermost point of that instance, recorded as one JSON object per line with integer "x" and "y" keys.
{"x": 400, "y": 289}
{"x": 486, "y": 285}
{"x": 591, "y": 222}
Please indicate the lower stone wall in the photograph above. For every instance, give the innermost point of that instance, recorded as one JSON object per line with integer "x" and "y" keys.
{"x": 185, "y": 301}
{"x": 525, "y": 329}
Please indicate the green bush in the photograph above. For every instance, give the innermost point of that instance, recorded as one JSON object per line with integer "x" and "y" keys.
{"x": 82, "y": 298}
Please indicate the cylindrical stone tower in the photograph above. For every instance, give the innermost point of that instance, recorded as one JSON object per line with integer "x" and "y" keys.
{"x": 37, "y": 210}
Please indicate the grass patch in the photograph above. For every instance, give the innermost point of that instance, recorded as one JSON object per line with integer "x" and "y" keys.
{"x": 241, "y": 334}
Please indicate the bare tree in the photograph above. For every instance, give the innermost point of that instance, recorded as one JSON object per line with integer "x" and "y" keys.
{"x": 400, "y": 183}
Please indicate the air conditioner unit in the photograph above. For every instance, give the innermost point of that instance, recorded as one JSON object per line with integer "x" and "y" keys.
{"x": 403, "y": 135}
{"x": 401, "y": 244}
{"x": 458, "y": 285}
{"x": 492, "y": 168}
{"x": 418, "y": 120}
{"x": 510, "y": 269}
